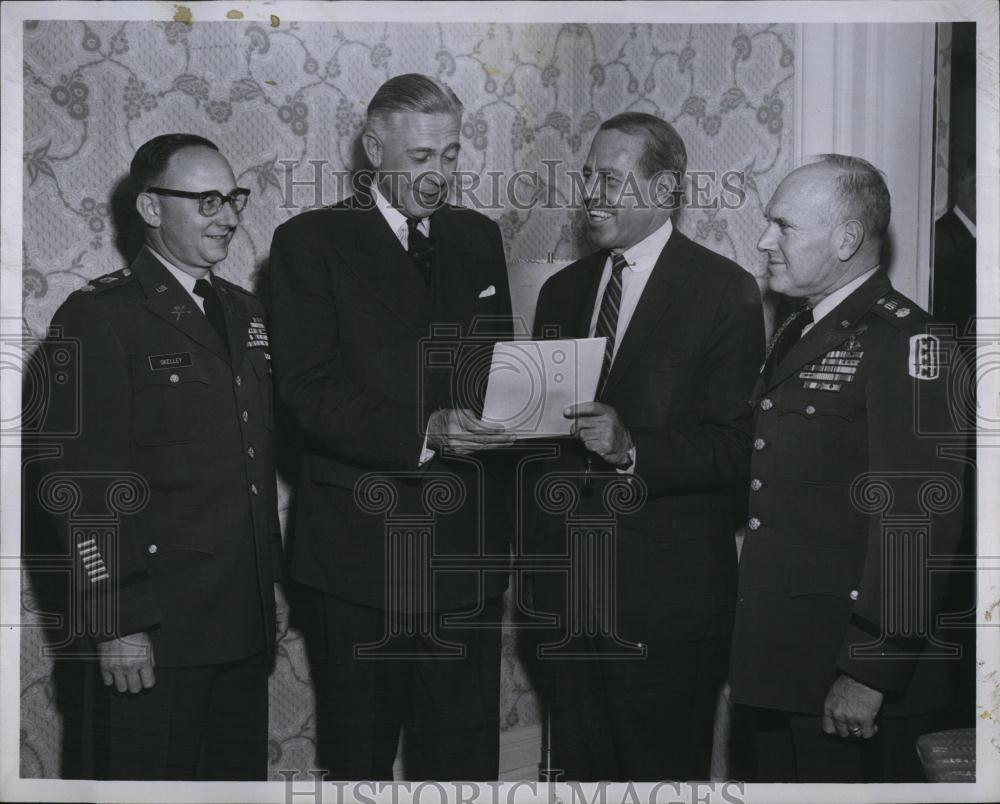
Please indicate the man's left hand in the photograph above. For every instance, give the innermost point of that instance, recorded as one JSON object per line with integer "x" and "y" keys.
{"x": 601, "y": 431}
{"x": 850, "y": 709}
{"x": 281, "y": 612}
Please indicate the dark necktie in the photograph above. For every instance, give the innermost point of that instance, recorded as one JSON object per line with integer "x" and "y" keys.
{"x": 421, "y": 250}
{"x": 213, "y": 308}
{"x": 607, "y": 318}
{"x": 786, "y": 337}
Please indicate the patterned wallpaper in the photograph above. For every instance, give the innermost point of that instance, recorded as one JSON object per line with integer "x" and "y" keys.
{"x": 279, "y": 99}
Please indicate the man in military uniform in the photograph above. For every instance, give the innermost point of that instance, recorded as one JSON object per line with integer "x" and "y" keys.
{"x": 175, "y": 400}
{"x": 834, "y": 655}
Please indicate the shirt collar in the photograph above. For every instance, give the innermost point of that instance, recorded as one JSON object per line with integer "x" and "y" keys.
{"x": 828, "y": 303}
{"x": 187, "y": 281}
{"x": 395, "y": 218}
{"x": 644, "y": 254}
{"x": 965, "y": 219}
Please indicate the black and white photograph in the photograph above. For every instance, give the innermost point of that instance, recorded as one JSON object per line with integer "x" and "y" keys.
{"x": 562, "y": 402}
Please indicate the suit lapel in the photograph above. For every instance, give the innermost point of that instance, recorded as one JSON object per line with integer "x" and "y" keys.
{"x": 382, "y": 265}
{"x": 833, "y": 329}
{"x": 672, "y": 270}
{"x": 167, "y": 299}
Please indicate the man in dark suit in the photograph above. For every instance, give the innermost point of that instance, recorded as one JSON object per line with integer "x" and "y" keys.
{"x": 857, "y": 478}
{"x": 384, "y": 307}
{"x": 174, "y": 421}
{"x": 685, "y": 338}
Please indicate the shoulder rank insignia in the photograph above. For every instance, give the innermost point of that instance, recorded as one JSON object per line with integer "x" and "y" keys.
{"x": 257, "y": 333}
{"x": 925, "y": 357}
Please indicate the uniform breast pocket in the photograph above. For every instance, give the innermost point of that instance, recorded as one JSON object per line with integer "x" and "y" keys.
{"x": 821, "y": 440}
{"x": 171, "y": 406}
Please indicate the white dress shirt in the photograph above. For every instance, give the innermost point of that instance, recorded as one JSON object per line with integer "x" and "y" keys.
{"x": 825, "y": 305}
{"x": 640, "y": 260}
{"x": 187, "y": 281}
{"x": 396, "y": 219}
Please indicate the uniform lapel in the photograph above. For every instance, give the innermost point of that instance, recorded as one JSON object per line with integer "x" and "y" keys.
{"x": 237, "y": 322}
{"x": 672, "y": 270}
{"x": 167, "y": 299}
{"x": 833, "y": 329}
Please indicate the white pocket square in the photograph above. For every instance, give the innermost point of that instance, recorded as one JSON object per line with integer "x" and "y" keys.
{"x": 490, "y": 291}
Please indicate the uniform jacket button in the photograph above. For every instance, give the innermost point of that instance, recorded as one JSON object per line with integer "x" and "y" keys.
{"x": 766, "y": 404}
{"x": 253, "y": 488}
{"x": 754, "y": 523}
{"x": 758, "y": 444}
{"x": 152, "y": 549}
{"x": 854, "y": 594}
{"x": 756, "y": 484}
{"x": 245, "y": 416}
{"x": 250, "y": 451}
{"x": 810, "y": 410}
{"x": 239, "y": 381}
{"x": 174, "y": 378}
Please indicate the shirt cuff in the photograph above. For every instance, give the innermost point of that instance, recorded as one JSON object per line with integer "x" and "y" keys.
{"x": 630, "y": 469}
{"x": 426, "y": 453}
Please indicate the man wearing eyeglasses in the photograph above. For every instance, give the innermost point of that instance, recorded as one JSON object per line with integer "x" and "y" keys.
{"x": 176, "y": 397}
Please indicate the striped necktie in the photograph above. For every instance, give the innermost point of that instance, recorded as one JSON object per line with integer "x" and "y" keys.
{"x": 607, "y": 318}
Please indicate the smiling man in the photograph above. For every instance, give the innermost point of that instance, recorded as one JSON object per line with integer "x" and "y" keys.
{"x": 175, "y": 406}
{"x": 379, "y": 305}
{"x": 685, "y": 337}
{"x": 835, "y": 656}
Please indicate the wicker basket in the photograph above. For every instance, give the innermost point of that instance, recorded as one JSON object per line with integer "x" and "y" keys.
{"x": 948, "y": 756}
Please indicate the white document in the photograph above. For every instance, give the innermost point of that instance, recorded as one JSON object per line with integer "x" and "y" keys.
{"x": 532, "y": 382}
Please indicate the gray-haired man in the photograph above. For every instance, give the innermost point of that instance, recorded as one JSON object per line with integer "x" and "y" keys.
{"x": 394, "y": 485}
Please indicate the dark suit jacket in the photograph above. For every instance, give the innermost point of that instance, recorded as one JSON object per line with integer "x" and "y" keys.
{"x": 814, "y": 580}
{"x": 363, "y": 355}
{"x": 155, "y": 399}
{"x": 680, "y": 383}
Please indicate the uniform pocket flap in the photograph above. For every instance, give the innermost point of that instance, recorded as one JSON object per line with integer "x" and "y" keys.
{"x": 824, "y": 571}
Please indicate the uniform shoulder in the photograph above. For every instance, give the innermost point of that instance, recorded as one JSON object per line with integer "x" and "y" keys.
{"x": 899, "y": 312}
{"x": 102, "y": 284}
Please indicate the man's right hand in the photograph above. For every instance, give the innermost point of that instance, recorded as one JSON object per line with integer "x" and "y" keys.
{"x": 128, "y": 662}
{"x": 460, "y": 431}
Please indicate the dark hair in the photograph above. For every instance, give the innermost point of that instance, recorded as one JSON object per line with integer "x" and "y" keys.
{"x": 663, "y": 147}
{"x": 151, "y": 160}
{"x": 861, "y": 193}
{"x": 413, "y": 92}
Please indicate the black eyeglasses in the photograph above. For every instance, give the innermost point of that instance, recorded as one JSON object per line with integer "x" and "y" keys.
{"x": 210, "y": 201}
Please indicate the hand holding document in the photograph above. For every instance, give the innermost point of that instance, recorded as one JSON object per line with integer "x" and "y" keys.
{"x": 532, "y": 382}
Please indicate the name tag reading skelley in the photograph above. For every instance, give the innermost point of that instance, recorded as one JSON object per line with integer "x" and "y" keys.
{"x": 169, "y": 361}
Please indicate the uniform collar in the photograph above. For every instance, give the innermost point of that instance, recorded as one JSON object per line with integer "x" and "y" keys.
{"x": 185, "y": 279}
{"x": 828, "y": 304}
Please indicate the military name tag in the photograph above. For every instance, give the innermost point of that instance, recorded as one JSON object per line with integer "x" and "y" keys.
{"x": 257, "y": 333}
{"x": 171, "y": 361}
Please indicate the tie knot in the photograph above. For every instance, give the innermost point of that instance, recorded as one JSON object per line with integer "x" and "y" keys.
{"x": 203, "y": 288}
{"x": 618, "y": 263}
{"x": 804, "y": 315}
{"x": 413, "y": 225}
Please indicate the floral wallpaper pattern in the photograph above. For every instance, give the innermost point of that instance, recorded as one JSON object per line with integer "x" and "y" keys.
{"x": 285, "y": 105}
